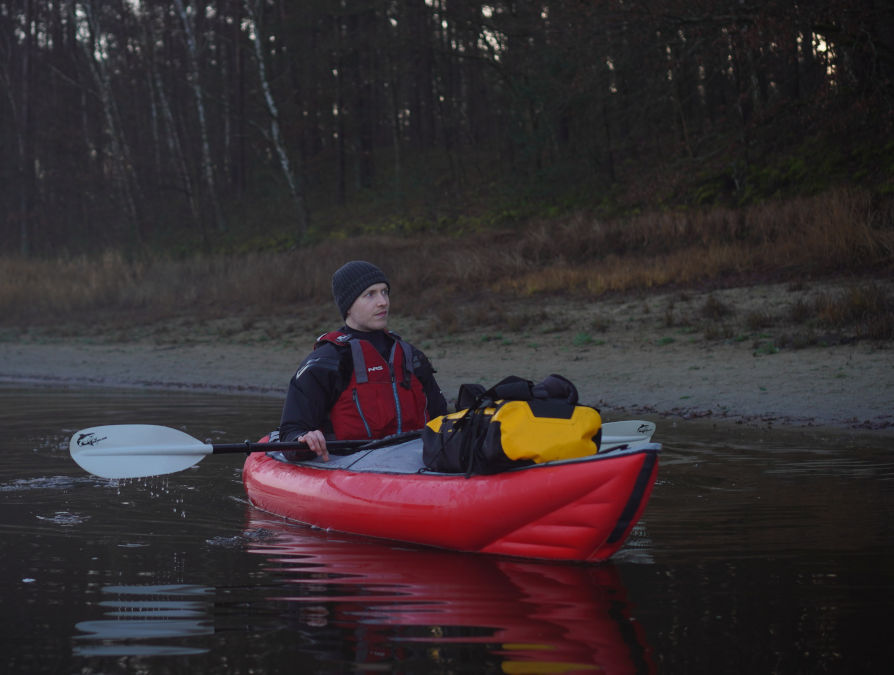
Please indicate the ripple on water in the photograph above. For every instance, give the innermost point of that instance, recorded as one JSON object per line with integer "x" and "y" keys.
{"x": 48, "y": 483}
{"x": 65, "y": 518}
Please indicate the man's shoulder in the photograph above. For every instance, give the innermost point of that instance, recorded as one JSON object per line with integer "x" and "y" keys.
{"x": 322, "y": 361}
{"x": 325, "y": 351}
{"x": 336, "y": 338}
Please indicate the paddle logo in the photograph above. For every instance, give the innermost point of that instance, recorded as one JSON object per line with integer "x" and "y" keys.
{"x": 89, "y": 439}
{"x": 645, "y": 428}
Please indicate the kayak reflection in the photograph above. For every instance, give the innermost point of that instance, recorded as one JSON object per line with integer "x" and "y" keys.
{"x": 530, "y": 616}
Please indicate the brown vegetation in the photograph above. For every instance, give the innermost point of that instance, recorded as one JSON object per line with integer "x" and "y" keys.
{"x": 455, "y": 282}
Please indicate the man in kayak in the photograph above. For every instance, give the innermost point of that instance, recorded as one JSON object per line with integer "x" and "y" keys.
{"x": 361, "y": 381}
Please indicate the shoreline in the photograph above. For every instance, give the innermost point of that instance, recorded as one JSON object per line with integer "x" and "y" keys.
{"x": 848, "y": 387}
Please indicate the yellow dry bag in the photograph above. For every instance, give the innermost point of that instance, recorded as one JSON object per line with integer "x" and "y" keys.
{"x": 515, "y": 423}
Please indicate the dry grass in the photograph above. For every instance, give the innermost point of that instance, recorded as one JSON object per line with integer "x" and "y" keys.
{"x": 454, "y": 282}
{"x": 865, "y": 307}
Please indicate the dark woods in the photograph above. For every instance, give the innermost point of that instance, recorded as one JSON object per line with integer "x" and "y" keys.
{"x": 148, "y": 123}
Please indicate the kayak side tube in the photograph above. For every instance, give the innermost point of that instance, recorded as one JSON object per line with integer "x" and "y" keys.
{"x": 574, "y": 510}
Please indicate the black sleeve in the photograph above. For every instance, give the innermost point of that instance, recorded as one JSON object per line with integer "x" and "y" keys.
{"x": 437, "y": 404}
{"x": 313, "y": 390}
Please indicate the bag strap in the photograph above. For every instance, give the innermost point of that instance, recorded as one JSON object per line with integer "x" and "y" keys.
{"x": 556, "y": 386}
{"x": 511, "y": 388}
{"x": 515, "y": 388}
{"x": 468, "y": 395}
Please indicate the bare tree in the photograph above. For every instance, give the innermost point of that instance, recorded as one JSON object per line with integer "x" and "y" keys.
{"x": 18, "y": 92}
{"x": 292, "y": 179}
{"x": 194, "y": 79}
{"x": 168, "y": 146}
{"x": 119, "y": 153}
{"x": 146, "y": 116}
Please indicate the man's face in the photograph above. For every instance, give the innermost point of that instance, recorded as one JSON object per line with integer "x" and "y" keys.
{"x": 370, "y": 310}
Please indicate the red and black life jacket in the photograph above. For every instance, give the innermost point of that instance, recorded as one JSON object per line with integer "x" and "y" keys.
{"x": 383, "y": 397}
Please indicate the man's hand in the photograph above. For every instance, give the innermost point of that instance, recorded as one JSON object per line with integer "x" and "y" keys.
{"x": 316, "y": 441}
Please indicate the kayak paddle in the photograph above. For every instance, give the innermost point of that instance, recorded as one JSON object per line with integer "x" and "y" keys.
{"x": 616, "y": 434}
{"x": 139, "y": 450}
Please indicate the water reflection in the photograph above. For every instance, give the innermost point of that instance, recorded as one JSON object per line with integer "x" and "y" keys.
{"x": 760, "y": 551}
{"x": 141, "y": 615}
{"x": 533, "y": 617}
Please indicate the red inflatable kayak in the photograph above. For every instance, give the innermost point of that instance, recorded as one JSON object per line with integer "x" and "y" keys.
{"x": 580, "y": 509}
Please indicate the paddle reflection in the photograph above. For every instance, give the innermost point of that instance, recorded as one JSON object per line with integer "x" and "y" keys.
{"x": 141, "y": 616}
{"x": 528, "y": 616}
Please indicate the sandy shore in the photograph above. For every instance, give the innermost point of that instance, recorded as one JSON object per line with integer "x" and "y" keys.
{"x": 627, "y": 370}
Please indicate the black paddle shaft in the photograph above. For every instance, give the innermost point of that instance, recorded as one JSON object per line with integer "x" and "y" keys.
{"x": 335, "y": 447}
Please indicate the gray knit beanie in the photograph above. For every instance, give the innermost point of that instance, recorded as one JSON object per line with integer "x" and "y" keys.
{"x": 351, "y": 279}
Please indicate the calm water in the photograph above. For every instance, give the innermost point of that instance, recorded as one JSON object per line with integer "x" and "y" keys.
{"x": 759, "y": 552}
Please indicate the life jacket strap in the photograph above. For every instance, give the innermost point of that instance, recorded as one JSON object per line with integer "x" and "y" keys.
{"x": 359, "y": 362}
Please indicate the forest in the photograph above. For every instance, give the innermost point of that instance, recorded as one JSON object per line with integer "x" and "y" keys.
{"x": 202, "y": 126}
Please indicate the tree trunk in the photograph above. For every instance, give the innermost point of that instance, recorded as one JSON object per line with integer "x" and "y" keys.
{"x": 295, "y": 188}
{"x": 195, "y": 84}
{"x": 25, "y": 141}
{"x": 172, "y": 147}
{"x": 119, "y": 155}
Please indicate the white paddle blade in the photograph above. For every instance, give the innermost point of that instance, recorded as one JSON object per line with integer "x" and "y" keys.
{"x": 616, "y": 434}
{"x": 135, "y": 450}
